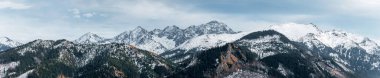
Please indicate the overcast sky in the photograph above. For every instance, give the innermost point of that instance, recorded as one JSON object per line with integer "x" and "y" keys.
{"x": 27, "y": 20}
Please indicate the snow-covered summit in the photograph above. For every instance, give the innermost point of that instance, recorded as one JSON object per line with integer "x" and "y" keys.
{"x": 9, "y": 42}
{"x": 212, "y": 27}
{"x": 332, "y": 38}
{"x": 295, "y": 31}
{"x": 89, "y": 38}
{"x": 336, "y": 38}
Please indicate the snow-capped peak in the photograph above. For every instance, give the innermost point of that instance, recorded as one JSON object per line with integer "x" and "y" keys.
{"x": 9, "y": 42}
{"x": 216, "y": 23}
{"x": 212, "y": 27}
{"x": 138, "y": 29}
{"x": 210, "y": 40}
{"x": 89, "y": 38}
{"x": 295, "y": 31}
{"x": 336, "y": 38}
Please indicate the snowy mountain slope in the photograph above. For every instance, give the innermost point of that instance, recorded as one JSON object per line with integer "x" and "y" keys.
{"x": 354, "y": 59}
{"x": 201, "y": 43}
{"x": 141, "y": 38}
{"x": 210, "y": 40}
{"x": 48, "y": 58}
{"x": 377, "y": 41}
{"x": 332, "y": 38}
{"x": 295, "y": 31}
{"x": 285, "y": 59}
{"x": 89, "y": 38}
{"x": 348, "y": 40}
{"x": 6, "y": 43}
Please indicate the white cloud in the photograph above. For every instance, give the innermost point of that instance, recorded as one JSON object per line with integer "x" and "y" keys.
{"x": 164, "y": 14}
{"x": 88, "y": 15}
{"x": 78, "y": 13}
{"x": 362, "y": 8}
{"x": 13, "y": 5}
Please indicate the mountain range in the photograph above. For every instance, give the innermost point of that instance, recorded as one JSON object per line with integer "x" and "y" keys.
{"x": 211, "y": 50}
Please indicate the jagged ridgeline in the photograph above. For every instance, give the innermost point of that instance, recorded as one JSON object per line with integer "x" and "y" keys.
{"x": 260, "y": 54}
{"x": 210, "y": 50}
{"x": 50, "y": 59}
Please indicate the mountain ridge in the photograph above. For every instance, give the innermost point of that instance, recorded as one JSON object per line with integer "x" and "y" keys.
{"x": 204, "y": 51}
{"x": 161, "y": 40}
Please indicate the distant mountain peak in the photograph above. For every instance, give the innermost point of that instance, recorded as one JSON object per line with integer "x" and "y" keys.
{"x": 9, "y": 42}
{"x": 170, "y": 28}
{"x": 6, "y": 43}
{"x": 295, "y": 31}
{"x": 214, "y": 22}
{"x": 4, "y": 39}
{"x": 138, "y": 29}
{"x": 89, "y": 38}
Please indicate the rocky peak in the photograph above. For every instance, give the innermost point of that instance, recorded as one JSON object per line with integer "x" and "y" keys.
{"x": 6, "y": 43}
{"x": 89, "y": 38}
{"x": 156, "y": 31}
{"x": 139, "y": 29}
{"x": 212, "y": 27}
{"x": 9, "y": 42}
{"x": 216, "y": 23}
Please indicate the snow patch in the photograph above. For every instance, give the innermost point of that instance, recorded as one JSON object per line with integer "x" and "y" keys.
{"x": 89, "y": 38}
{"x": 8, "y": 42}
{"x": 25, "y": 75}
{"x": 336, "y": 38}
{"x": 246, "y": 74}
{"x": 210, "y": 40}
{"x": 260, "y": 47}
{"x": 376, "y": 64}
{"x": 182, "y": 59}
{"x": 5, "y": 67}
{"x": 168, "y": 43}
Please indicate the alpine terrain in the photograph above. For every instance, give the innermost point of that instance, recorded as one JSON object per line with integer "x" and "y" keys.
{"x": 210, "y": 50}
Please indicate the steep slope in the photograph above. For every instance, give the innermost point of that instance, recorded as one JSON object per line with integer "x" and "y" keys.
{"x": 354, "y": 58}
{"x": 295, "y": 31}
{"x": 141, "y": 38}
{"x": 260, "y": 55}
{"x": 331, "y": 38}
{"x": 6, "y": 43}
{"x": 62, "y": 58}
{"x": 89, "y": 38}
{"x": 336, "y": 39}
{"x": 201, "y": 43}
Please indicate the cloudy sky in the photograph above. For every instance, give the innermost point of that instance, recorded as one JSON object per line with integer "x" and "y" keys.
{"x": 27, "y": 20}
